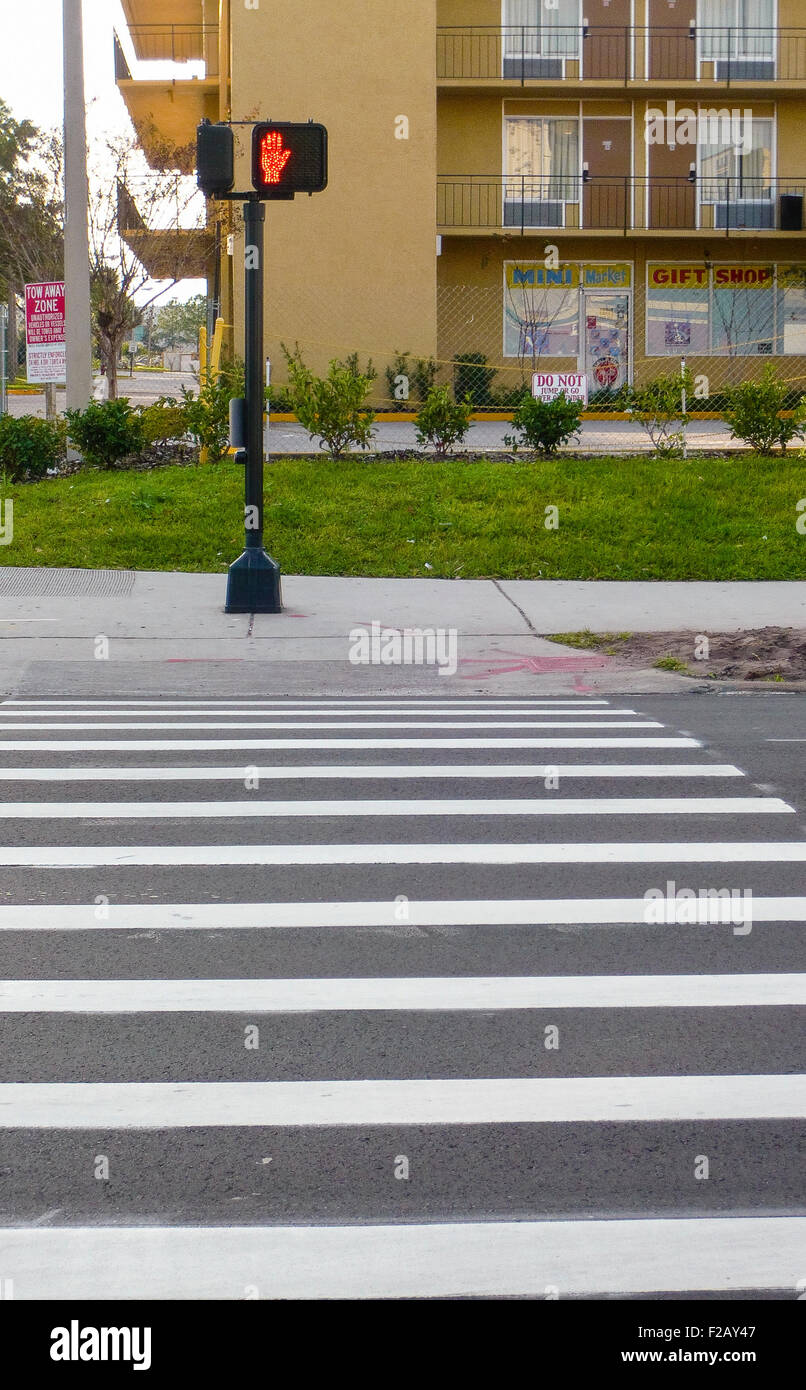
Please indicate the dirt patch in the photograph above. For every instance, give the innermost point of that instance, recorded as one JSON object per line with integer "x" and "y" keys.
{"x": 766, "y": 653}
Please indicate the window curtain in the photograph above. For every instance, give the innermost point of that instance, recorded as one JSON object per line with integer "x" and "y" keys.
{"x": 756, "y": 163}
{"x": 521, "y": 15}
{"x": 560, "y": 37}
{"x": 548, "y": 33}
{"x": 546, "y": 153}
{"x": 723, "y": 162}
{"x": 736, "y": 29}
{"x": 563, "y": 160}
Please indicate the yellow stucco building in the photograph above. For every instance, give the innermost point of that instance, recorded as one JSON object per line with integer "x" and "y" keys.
{"x": 594, "y": 185}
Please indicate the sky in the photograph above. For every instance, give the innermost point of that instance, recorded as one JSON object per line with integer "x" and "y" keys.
{"x": 31, "y": 73}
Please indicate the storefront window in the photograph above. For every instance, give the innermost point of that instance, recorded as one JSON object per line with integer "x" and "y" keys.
{"x": 677, "y": 310}
{"x": 543, "y": 310}
{"x": 791, "y": 310}
{"x": 725, "y": 310}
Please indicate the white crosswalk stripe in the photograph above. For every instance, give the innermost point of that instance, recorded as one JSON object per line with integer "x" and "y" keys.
{"x": 408, "y": 1051}
{"x": 483, "y": 1259}
{"x": 217, "y": 810}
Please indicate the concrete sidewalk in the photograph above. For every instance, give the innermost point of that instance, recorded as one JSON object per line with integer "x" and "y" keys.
{"x": 120, "y": 629}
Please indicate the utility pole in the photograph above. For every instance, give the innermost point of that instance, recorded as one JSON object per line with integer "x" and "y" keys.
{"x": 3, "y": 358}
{"x": 76, "y": 202}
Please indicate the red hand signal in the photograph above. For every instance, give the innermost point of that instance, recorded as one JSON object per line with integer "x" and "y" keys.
{"x": 273, "y": 156}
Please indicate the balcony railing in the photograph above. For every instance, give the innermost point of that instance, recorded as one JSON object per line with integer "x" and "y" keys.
{"x": 619, "y": 53}
{"x": 176, "y": 43}
{"x": 524, "y": 203}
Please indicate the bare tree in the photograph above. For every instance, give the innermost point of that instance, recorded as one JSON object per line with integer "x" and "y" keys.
{"x": 536, "y": 309}
{"x": 144, "y": 227}
{"x": 31, "y": 212}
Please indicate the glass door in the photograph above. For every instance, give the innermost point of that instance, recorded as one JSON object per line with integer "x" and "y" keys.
{"x": 606, "y": 339}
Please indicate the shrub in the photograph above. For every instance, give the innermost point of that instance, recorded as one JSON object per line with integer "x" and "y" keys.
{"x": 279, "y": 401}
{"x": 658, "y": 406}
{"x": 207, "y": 415}
{"x": 423, "y": 377}
{"x": 165, "y": 419}
{"x": 509, "y": 397}
{"x": 442, "y": 422}
{"x": 30, "y": 446}
{"x": 106, "y": 431}
{"x": 544, "y": 425}
{"x": 754, "y": 413}
{"x": 472, "y": 378}
{"x": 332, "y": 407}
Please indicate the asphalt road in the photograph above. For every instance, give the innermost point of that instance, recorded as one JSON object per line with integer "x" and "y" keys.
{"x": 400, "y": 1049}
{"x": 596, "y": 435}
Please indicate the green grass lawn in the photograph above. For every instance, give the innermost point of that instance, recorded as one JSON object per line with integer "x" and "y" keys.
{"x": 636, "y": 518}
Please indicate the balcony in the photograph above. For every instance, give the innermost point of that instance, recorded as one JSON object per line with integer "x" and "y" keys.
{"x": 523, "y": 204}
{"x": 168, "y": 252}
{"x": 632, "y": 56}
{"x": 176, "y": 43}
{"x": 166, "y": 105}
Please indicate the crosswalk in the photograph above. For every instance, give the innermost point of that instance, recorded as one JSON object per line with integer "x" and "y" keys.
{"x": 353, "y": 998}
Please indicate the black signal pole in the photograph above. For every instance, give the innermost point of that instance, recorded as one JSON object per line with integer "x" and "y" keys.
{"x": 253, "y": 583}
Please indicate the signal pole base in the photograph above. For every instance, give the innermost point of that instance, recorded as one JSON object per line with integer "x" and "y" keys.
{"x": 253, "y": 584}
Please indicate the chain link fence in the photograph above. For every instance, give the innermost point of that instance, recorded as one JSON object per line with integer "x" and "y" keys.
{"x": 724, "y": 324}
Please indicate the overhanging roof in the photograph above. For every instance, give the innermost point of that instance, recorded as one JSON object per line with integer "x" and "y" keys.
{"x": 165, "y": 115}
{"x": 163, "y": 11}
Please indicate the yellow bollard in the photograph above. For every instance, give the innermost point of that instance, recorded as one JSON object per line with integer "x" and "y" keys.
{"x": 203, "y": 453}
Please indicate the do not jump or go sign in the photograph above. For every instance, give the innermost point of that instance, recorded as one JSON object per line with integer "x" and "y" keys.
{"x": 546, "y": 386}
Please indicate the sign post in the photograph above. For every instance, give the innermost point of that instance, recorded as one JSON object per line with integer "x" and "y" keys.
{"x": 287, "y": 158}
{"x": 3, "y": 359}
{"x": 253, "y": 583}
{"x": 45, "y": 336}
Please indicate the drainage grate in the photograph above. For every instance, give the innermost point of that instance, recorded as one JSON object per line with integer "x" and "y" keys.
{"x": 46, "y": 583}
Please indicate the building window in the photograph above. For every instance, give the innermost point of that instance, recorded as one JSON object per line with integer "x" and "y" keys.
{"x": 539, "y": 321}
{"x": 546, "y": 311}
{"x": 532, "y": 29}
{"x": 542, "y": 170}
{"x": 736, "y": 171}
{"x": 737, "y": 31}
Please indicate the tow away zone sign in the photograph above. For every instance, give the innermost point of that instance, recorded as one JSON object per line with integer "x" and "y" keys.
{"x": 45, "y": 332}
{"x": 547, "y": 385}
